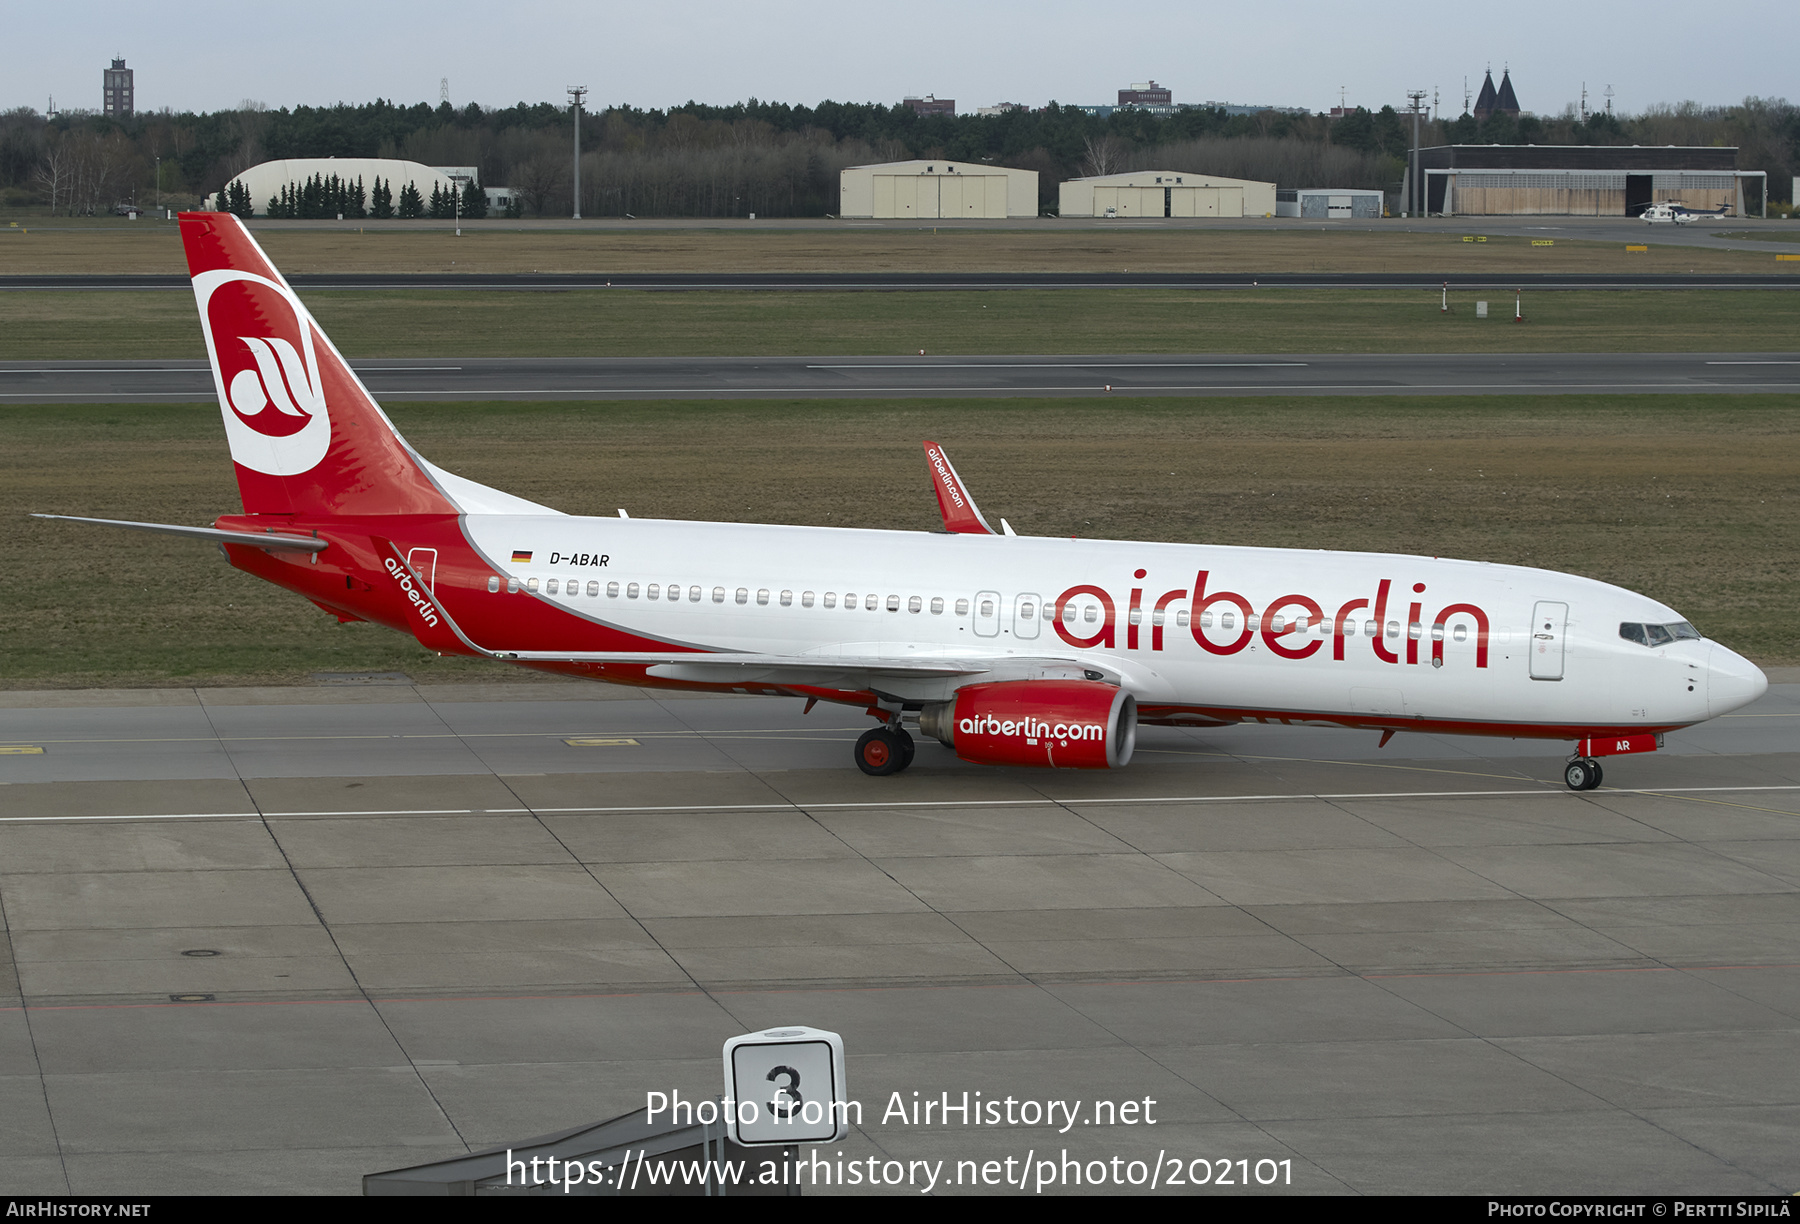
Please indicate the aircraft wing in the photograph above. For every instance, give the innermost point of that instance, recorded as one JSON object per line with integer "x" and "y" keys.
{"x": 883, "y": 673}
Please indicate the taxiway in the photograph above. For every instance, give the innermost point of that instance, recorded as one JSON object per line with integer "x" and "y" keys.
{"x": 270, "y": 940}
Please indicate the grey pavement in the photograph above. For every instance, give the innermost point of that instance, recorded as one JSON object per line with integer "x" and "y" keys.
{"x": 268, "y": 940}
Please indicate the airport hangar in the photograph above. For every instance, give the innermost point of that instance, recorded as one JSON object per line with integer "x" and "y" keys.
{"x": 934, "y": 189}
{"x": 266, "y": 180}
{"x": 1165, "y": 193}
{"x": 1580, "y": 180}
{"x": 1327, "y": 203}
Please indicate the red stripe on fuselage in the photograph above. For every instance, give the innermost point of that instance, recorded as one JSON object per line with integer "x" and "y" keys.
{"x": 1182, "y": 715}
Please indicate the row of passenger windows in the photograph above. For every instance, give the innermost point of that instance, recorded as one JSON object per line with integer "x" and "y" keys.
{"x": 674, "y": 593}
{"x": 1027, "y": 609}
{"x": 1658, "y": 635}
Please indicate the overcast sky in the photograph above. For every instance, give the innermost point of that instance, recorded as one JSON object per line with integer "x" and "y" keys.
{"x": 656, "y": 55}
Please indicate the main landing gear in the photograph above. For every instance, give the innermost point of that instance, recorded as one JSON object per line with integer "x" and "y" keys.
{"x": 1582, "y": 774}
{"x": 884, "y": 750}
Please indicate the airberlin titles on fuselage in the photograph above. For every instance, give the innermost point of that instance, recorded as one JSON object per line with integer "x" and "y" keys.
{"x": 1292, "y": 626}
{"x": 1283, "y": 617}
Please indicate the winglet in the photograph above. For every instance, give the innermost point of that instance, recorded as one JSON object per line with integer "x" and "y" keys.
{"x": 961, "y": 515}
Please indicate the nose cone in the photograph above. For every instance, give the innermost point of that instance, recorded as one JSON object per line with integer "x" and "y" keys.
{"x": 1732, "y": 681}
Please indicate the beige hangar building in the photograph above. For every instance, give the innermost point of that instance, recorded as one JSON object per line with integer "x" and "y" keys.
{"x": 936, "y": 190}
{"x": 1166, "y": 193}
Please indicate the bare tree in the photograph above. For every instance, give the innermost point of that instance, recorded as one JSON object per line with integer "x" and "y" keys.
{"x": 53, "y": 172}
{"x": 99, "y": 171}
{"x": 538, "y": 180}
{"x": 1105, "y": 155}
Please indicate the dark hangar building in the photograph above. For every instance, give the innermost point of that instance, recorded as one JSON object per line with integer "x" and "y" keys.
{"x": 1580, "y": 180}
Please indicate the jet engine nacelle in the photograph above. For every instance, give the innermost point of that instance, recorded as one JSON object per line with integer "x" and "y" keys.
{"x": 1053, "y": 724}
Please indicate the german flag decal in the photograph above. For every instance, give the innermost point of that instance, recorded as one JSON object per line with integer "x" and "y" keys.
{"x": 521, "y": 556}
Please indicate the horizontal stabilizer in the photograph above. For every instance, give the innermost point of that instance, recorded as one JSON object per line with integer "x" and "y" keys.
{"x": 266, "y": 540}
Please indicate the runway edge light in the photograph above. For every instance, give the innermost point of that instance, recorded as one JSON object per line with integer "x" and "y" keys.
{"x": 787, "y": 1085}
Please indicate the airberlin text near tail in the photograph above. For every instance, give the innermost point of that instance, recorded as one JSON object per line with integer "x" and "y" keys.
{"x": 1011, "y": 650}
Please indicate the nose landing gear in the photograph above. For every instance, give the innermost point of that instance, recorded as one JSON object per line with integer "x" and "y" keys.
{"x": 1582, "y": 774}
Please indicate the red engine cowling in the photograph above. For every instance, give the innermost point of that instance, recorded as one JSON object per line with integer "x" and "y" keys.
{"x": 1054, "y": 724}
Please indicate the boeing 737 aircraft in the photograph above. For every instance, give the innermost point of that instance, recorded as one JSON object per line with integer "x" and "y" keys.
{"x": 1010, "y": 649}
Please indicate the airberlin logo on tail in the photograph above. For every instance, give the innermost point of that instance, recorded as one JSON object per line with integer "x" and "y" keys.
{"x": 268, "y": 398}
{"x": 266, "y": 370}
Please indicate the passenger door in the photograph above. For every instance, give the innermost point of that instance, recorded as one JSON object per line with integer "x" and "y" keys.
{"x": 1549, "y": 627}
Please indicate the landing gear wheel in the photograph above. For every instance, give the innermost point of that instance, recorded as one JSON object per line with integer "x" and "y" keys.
{"x": 881, "y": 752}
{"x": 1583, "y": 774}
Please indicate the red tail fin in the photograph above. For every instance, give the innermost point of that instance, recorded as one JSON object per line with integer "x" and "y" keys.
{"x": 306, "y": 436}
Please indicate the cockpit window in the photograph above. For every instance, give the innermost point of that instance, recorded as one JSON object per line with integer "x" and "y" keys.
{"x": 1659, "y": 635}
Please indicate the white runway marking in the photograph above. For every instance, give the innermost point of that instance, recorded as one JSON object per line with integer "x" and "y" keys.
{"x": 1545, "y": 790}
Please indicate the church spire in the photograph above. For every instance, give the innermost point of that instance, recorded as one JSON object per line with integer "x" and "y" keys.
{"x": 1485, "y": 100}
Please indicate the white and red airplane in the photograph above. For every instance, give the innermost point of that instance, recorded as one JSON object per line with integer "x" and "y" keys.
{"x": 1012, "y": 650}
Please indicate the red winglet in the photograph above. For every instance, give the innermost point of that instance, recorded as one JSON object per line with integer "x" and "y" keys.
{"x": 961, "y": 515}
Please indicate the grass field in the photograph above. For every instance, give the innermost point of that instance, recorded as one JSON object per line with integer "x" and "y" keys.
{"x": 62, "y": 247}
{"x": 1689, "y": 499}
{"x": 467, "y": 323}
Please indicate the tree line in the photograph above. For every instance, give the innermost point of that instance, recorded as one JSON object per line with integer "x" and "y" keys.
{"x": 324, "y": 196}
{"x": 776, "y": 159}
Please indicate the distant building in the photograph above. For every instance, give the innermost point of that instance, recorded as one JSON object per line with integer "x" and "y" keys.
{"x": 1328, "y": 203}
{"x": 1000, "y": 108}
{"x": 1147, "y": 93}
{"x": 1230, "y": 108}
{"x": 1165, "y": 193}
{"x": 266, "y": 181}
{"x": 1581, "y": 180}
{"x": 930, "y": 105}
{"x": 932, "y": 190}
{"x": 1491, "y": 101}
{"x": 116, "y": 91}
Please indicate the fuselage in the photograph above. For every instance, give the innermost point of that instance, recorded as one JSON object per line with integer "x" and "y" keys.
{"x": 1195, "y": 633}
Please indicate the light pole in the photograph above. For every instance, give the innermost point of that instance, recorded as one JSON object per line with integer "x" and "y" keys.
{"x": 576, "y": 93}
{"x": 1417, "y": 203}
